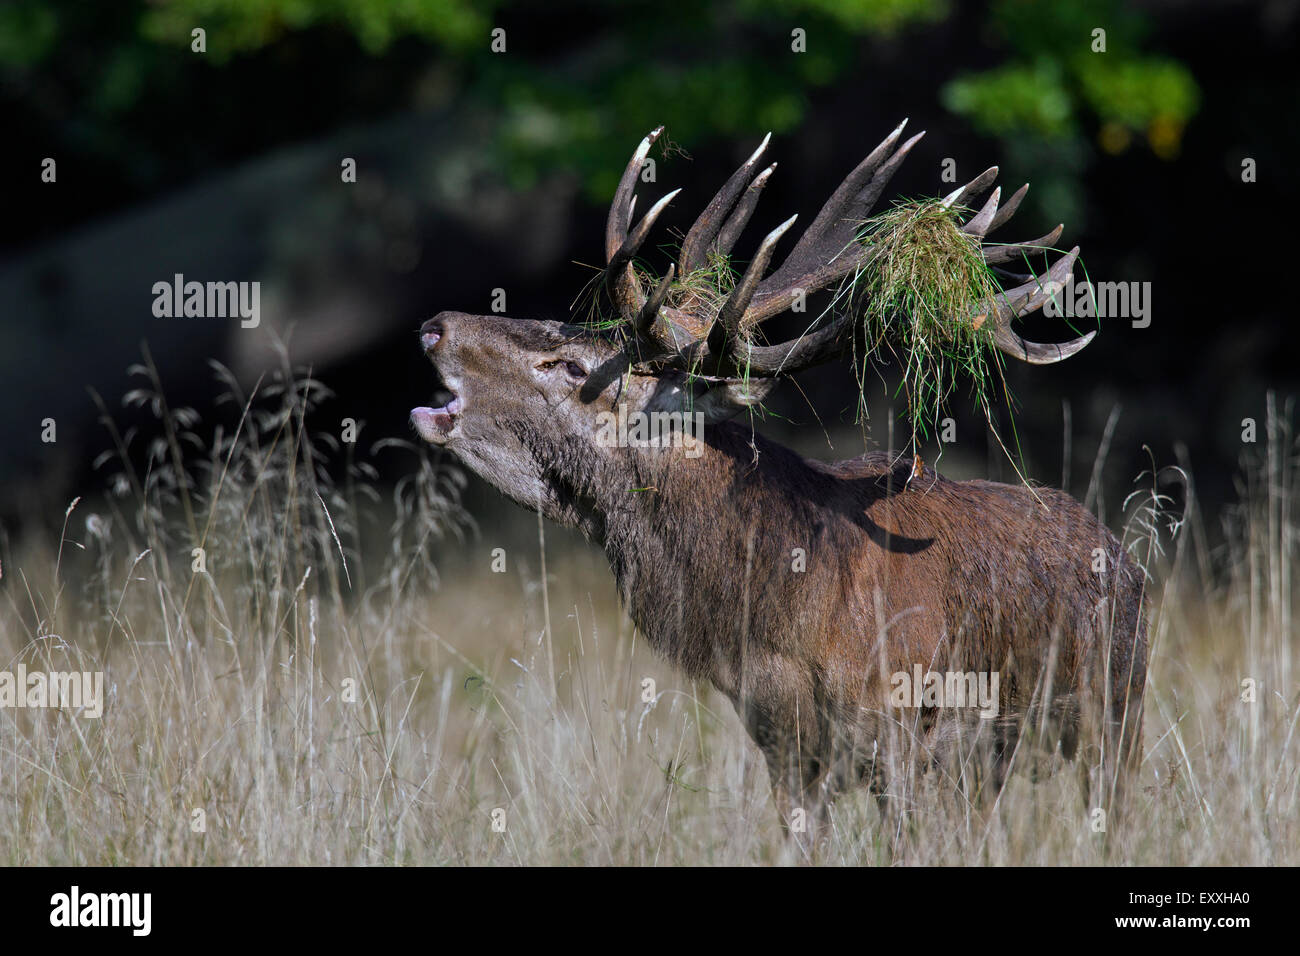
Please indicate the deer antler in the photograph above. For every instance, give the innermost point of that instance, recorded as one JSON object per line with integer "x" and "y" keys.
{"x": 825, "y": 254}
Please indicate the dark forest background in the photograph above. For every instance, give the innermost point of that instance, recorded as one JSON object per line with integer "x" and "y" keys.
{"x": 479, "y": 170}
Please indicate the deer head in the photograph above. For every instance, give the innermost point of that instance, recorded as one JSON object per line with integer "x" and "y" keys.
{"x": 525, "y": 397}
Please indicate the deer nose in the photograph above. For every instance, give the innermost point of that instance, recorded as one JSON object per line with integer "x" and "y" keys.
{"x": 432, "y": 330}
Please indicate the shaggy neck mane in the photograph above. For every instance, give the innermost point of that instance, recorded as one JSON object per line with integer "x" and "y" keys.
{"x": 677, "y": 529}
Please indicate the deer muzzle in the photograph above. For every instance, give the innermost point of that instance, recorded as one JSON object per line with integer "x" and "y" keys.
{"x": 435, "y": 425}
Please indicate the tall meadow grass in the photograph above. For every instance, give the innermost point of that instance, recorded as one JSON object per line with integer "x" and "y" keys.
{"x": 340, "y": 676}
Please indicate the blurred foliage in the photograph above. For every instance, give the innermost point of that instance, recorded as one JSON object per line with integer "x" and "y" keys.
{"x": 1060, "y": 91}
{"x": 27, "y": 34}
{"x": 581, "y": 81}
{"x": 239, "y": 26}
{"x": 1058, "y": 79}
{"x": 860, "y": 16}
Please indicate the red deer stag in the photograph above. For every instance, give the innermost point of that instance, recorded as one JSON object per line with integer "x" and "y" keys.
{"x": 905, "y": 574}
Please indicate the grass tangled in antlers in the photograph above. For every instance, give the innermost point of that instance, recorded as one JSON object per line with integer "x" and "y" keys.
{"x": 924, "y": 297}
{"x": 702, "y": 292}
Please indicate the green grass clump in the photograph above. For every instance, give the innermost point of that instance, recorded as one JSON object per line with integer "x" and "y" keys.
{"x": 924, "y": 295}
{"x": 702, "y": 292}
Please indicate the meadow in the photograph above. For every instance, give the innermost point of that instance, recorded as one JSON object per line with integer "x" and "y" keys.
{"x": 353, "y": 673}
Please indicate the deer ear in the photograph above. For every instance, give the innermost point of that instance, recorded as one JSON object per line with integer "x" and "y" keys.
{"x": 726, "y": 400}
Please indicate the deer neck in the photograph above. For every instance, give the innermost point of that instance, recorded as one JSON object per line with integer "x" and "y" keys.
{"x": 677, "y": 527}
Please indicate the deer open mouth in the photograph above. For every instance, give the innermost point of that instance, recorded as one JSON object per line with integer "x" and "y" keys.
{"x": 435, "y": 424}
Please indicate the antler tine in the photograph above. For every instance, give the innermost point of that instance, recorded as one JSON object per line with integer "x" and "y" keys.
{"x": 825, "y": 252}
{"x": 832, "y": 213}
{"x": 1005, "y": 253}
{"x": 1056, "y": 278}
{"x": 620, "y": 279}
{"x": 1009, "y": 207}
{"x": 694, "y": 253}
{"x": 863, "y": 203}
{"x": 620, "y": 210}
{"x": 976, "y": 187}
{"x": 1037, "y": 353}
{"x": 739, "y": 217}
{"x": 865, "y": 200}
{"x": 979, "y": 223}
{"x": 727, "y": 324}
{"x": 1030, "y": 297}
{"x": 645, "y": 319}
{"x": 637, "y": 236}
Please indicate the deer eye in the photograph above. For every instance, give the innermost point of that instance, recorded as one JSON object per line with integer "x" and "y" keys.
{"x": 574, "y": 369}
